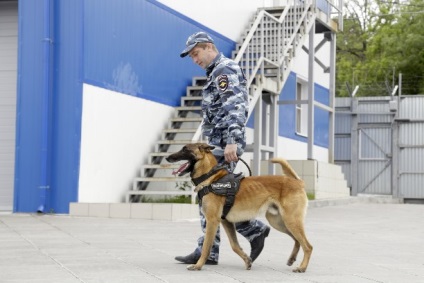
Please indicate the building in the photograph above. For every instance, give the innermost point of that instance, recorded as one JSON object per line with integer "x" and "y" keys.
{"x": 97, "y": 82}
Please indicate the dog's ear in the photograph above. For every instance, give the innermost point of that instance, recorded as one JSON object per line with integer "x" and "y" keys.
{"x": 206, "y": 147}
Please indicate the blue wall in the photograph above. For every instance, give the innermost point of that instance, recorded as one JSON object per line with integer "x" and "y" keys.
{"x": 132, "y": 46}
{"x": 287, "y": 114}
{"x": 65, "y": 106}
{"x": 139, "y": 43}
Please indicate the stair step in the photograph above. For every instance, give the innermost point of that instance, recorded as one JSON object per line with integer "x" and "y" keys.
{"x": 188, "y": 108}
{"x": 160, "y": 153}
{"x": 182, "y": 142}
{"x": 161, "y": 179}
{"x": 161, "y": 166}
{"x": 192, "y": 98}
{"x": 190, "y": 119}
{"x": 194, "y": 91}
{"x": 179, "y": 131}
{"x": 199, "y": 81}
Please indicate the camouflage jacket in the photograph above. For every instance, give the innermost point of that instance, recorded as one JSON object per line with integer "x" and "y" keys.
{"x": 225, "y": 104}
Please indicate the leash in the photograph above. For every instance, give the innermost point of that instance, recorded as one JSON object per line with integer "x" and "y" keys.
{"x": 244, "y": 162}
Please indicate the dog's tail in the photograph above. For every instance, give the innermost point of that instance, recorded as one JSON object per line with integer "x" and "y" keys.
{"x": 286, "y": 167}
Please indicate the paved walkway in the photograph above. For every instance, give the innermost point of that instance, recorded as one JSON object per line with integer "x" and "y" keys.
{"x": 362, "y": 242}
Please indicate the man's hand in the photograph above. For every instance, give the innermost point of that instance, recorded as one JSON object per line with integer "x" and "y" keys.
{"x": 230, "y": 152}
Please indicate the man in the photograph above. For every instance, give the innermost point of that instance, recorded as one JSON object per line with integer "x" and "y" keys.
{"x": 224, "y": 107}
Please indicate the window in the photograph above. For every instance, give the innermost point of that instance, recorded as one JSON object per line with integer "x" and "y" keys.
{"x": 301, "y": 108}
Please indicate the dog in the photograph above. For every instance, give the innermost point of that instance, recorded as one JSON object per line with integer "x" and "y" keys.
{"x": 282, "y": 198}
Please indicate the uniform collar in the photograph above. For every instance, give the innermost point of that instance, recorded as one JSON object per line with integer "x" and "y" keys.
{"x": 212, "y": 65}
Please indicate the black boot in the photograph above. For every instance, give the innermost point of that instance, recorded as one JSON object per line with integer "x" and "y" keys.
{"x": 193, "y": 258}
{"x": 257, "y": 245}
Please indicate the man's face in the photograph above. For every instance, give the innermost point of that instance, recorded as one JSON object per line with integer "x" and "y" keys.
{"x": 202, "y": 56}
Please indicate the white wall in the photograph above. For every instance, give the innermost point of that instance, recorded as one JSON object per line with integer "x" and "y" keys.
{"x": 118, "y": 133}
{"x": 227, "y": 17}
{"x": 301, "y": 63}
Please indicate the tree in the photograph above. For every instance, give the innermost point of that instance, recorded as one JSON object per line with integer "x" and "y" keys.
{"x": 380, "y": 40}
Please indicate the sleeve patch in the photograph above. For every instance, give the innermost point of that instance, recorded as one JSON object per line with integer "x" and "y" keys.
{"x": 222, "y": 82}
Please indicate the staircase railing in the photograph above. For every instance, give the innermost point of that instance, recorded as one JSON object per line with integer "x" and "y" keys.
{"x": 267, "y": 45}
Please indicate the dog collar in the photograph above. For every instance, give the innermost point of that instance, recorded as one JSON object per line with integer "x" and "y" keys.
{"x": 198, "y": 180}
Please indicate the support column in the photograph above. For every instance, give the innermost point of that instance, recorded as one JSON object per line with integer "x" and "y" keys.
{"x": 354, "y": 140}
{"x": 257, "y": 137}
{"x": 332, "y": 97}
{"x": 311, "y": 95}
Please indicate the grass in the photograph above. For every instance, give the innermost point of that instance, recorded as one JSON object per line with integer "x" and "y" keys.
{"x": 311, "y": 196}
{"x": 176, "y": 199}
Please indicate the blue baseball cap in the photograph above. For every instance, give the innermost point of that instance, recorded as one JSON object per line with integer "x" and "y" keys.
{"x": 193, "y": 40}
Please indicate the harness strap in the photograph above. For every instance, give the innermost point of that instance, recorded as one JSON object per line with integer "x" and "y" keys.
{"x": 198, "y": 180}
{"x": 228, "y": 189}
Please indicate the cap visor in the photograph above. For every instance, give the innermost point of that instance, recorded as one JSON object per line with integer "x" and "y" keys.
{"x": 187, "y": 50}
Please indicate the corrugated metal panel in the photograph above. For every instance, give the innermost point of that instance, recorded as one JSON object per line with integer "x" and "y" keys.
{"x": 411, "y": 173}
{"x": 343, "y": 123}
{"x": 374, "y": 170}
{"x": 66, "y": 101}
{"x": 342, "y": 139}
{"x": 412, "y": 107}
{"x": 411, "y": 134}
{"x": 346, "y": 169}
{"x": 374, "y": 177}
{"x": 8, "y": 74}
{"x": 411, "y": 153}
{"x": 343, "y": 101}
{"x": 378, "y": 107}
{"x": 375, "y": 143}
{"x": 342, "y": 148}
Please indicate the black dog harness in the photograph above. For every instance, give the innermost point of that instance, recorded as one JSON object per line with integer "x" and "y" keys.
{"x": 227, "y": 186}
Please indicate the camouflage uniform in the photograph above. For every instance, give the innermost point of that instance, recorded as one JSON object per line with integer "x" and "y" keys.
{"x": 225, "y": 107}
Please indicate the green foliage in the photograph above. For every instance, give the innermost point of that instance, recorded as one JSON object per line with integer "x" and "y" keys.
{"x": 380, "y": 40}
{"x": 175, "y": 199}
{"x": 183, "y": 186}
{"x": 311, "y": 196}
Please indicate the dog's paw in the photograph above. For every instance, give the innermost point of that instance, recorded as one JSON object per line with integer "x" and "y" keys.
{"x": 248, "y": 263}
{"x": 299, "y": 270}
{"x": 193, "y": 267}
{"x": 291, "y": 261}
{"x": 249, "y": 266}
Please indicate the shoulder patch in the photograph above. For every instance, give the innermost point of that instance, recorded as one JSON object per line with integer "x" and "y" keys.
{"x": 222, "y": 82}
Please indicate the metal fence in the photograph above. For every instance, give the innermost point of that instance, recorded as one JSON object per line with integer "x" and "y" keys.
{"x": 379, "y": 143}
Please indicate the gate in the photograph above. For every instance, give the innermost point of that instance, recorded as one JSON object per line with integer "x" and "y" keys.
{"x": 379, "y": 143}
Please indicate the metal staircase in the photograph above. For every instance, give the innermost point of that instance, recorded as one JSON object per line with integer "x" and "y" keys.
{"x": 265, "y": 54}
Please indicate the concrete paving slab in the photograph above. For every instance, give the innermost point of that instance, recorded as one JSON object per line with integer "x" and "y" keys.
{"x": 353, "y": 242}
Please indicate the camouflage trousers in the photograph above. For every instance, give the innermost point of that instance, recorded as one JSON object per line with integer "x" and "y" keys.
{"x": 248, "y": 229}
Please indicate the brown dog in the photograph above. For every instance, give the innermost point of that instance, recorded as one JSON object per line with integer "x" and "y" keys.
{"x": 281, "y": 198}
